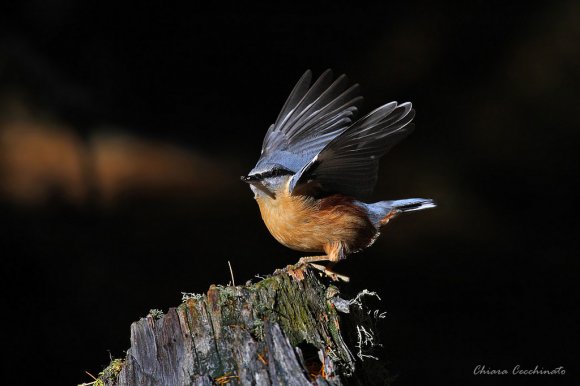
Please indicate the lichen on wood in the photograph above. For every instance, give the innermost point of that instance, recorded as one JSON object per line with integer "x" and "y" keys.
{"x": 287, "y": 329}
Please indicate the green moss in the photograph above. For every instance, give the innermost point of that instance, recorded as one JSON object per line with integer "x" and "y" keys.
{"x": 257, "y": 330}
{"x": 155, "y": 313}
{"x": 110, "y": 373}
{"x": 226, "y": 295}
{"x": 270, "y": 283}
{"x": 113, "y": 370}
{"x": 185, "y": 296}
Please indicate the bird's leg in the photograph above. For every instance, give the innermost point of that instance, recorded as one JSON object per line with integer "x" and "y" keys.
{"x": 331, "y": 274}
{"x": 306, "y": 260}
{"x": 335, "y": 252}
{"x": 311, "y": 259}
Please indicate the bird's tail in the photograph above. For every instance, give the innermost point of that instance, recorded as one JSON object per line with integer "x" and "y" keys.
{"x": 381, "y": 212}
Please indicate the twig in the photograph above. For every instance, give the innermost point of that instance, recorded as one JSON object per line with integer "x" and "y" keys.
{"x": 232, "y": 274}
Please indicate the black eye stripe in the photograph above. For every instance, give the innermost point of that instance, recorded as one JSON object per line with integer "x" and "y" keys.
{"x": 275, "y": 172}
{"x": 271, "y": 173}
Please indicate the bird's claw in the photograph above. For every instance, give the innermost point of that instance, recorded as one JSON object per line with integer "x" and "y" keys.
{"x": 330, "y": 274}
{"x": 297, "y": 271}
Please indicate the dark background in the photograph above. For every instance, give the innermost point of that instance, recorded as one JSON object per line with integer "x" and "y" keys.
{"x": 123, "y": 133}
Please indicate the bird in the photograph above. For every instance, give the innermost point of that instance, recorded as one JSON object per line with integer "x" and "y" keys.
{"x": 317, "y": 166}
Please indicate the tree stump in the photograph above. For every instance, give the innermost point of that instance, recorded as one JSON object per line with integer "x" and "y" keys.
{"x": 291, "y": 328}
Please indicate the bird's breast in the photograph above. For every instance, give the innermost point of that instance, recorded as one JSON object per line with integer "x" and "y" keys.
{"x": 312, "y": 225}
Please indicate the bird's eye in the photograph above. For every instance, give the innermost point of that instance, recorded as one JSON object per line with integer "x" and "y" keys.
{"x": 279, "y": 172}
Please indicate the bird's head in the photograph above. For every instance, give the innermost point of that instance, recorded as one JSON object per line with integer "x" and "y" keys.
{"x": 268, "y": 180}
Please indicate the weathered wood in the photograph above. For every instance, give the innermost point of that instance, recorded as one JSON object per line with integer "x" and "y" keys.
{"x": 283, "y": 330}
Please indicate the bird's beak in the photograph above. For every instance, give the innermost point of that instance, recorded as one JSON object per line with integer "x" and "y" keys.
{"x": 252, "y": 180}
{"x": 248, "y": 179}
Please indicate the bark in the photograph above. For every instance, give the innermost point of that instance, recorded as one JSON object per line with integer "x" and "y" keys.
{"x": 283, "y": 330}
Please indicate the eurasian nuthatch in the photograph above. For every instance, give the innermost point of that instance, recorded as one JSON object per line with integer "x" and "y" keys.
{"x": 316, "y": 163}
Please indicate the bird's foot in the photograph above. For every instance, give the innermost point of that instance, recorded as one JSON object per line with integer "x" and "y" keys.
{"x": 297, "y": 270}
{"x": 334, "y": 276}
{"x": 311, "y": 259}
{"x": 332, "y": 257}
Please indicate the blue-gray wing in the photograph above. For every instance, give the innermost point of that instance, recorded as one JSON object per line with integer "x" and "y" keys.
{"x": 349, "y": 163}
{"x": 313, "y": 115}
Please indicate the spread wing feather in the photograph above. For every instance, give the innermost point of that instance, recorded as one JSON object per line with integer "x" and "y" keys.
{"x": 311, "y": 117}
{"x": 349, "y": 162}
{"x": 314, "y": 137}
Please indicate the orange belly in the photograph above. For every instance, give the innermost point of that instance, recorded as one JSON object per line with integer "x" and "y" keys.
{"x": 316, "y": 225}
